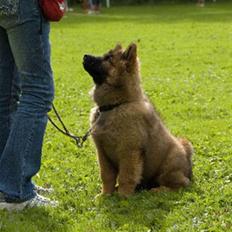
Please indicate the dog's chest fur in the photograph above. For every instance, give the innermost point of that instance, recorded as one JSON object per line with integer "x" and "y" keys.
{"x": 118, "y": 131}
{"x": 108, "y": 132}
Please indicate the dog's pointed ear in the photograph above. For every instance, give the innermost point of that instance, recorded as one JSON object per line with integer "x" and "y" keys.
{"x": 131, "y": 53}
{"x": 118, "y": 47}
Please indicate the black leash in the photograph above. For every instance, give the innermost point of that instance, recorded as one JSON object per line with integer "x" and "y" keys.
{"x": 78, "y": 139}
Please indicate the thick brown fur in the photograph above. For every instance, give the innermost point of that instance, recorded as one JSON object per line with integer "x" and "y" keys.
{"x": 135, "y": 149}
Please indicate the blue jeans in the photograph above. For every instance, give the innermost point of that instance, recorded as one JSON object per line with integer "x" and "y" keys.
{"x": 26, "y": 94}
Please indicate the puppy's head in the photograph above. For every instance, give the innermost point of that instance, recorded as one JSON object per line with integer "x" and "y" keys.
{"x": 115, "y": 74}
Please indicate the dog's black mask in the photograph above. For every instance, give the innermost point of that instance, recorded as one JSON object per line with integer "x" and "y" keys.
{"x": 93, "y": 65}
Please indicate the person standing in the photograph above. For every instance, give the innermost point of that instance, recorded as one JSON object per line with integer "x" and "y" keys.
{"x": 96, "y": 6}
{"x": 25, "y": 75}
{"x": 201, "y": 3}
{"x": 85, "y": 6}
{"x": 67, "y": 8}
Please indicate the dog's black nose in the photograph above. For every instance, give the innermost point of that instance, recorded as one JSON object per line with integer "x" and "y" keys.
{"x": 87, "y": 57}
{"x": 85, "y": 60}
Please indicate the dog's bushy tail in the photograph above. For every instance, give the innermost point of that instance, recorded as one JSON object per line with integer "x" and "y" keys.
{"x": 187, "y": 147}
{"x": 189, "y": 152}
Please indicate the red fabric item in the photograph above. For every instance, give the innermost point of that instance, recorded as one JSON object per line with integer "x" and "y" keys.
{"x": 53, "y": 10}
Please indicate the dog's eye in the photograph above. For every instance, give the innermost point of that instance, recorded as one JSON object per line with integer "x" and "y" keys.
{"x": 109, "y": 58}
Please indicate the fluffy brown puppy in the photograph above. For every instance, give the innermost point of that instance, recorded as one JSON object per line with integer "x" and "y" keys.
{"x": 134, "y": 147}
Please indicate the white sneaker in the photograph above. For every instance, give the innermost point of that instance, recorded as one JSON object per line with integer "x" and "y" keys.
{"x": 42, "y": 190}
{"x": 36, "y": 201}
{"x": 40, "y": 201}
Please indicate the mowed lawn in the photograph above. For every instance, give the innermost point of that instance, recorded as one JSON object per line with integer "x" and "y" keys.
{"x": 186, "y": 67}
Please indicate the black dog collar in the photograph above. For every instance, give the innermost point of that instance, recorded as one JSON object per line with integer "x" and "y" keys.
{"x": 108, "y": 107}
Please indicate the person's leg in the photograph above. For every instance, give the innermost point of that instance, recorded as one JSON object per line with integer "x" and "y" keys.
{"x": 96, "y": 4}
{"x": 201, "y": 3}
{"x": 15, "y": 95}
{"x": 21, "y": 157}
{"x": 6, "y": 75}
{"x": 90, "y": 5}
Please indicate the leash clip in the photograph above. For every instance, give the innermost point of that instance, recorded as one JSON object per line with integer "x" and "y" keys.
{"x": 79, "y": 141}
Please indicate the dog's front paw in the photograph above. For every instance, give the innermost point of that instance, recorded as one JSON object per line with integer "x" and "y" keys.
{"x": 102, "y": 195}
{"x": 124, "y": 195}
{"x": 124, "y": 192}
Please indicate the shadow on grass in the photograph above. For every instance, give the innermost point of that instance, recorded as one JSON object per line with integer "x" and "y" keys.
{"x": 38, "y": 219}
{"x": 142, "y": 211}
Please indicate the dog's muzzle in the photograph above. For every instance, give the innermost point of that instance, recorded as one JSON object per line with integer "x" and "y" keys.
{"x": 93, "y": 65}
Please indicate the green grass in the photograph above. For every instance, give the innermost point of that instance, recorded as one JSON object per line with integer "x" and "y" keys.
{"x": 185, "y": 55}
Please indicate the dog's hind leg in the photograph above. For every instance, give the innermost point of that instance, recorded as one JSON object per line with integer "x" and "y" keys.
{"x": 160, "y": 189}
{"x": 130, "y": 173}
{"x": 174, "y": 180}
